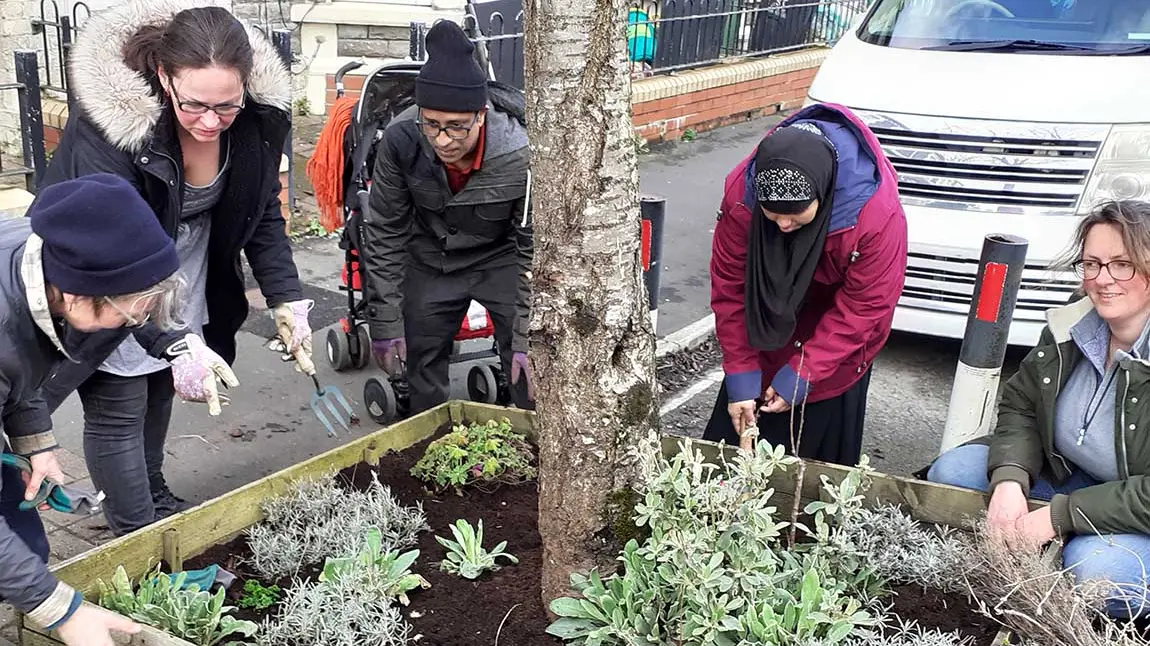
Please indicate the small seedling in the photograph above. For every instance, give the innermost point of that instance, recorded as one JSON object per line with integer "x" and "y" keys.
{"x": 466, "y": 556}
{"x": 257, "y": 596}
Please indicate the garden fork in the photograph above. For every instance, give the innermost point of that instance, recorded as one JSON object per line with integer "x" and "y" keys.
{"x": 329, "y": 396}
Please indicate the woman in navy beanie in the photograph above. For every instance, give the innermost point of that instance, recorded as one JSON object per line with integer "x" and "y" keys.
{"x": 89, "y": 257}
{"x": 191, "y": 107}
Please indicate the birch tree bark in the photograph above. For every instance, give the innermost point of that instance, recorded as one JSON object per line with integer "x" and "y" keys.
{"x": 592, "y": 347}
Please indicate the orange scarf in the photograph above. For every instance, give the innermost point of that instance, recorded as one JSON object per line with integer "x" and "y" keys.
{"x": 325, "y": 167}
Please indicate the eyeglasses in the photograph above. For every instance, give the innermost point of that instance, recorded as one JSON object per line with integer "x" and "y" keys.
{"x": 1118, "y": 269}
{"x": 196, "y": 107}
{"x": 454, "y": 131}
{"x": 130, "y": 321}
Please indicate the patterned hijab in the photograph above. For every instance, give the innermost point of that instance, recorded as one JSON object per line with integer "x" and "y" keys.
{"x": 794, "y": 166}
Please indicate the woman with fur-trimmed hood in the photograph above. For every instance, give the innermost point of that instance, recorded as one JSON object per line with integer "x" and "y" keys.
{"x": 191, "y": 107}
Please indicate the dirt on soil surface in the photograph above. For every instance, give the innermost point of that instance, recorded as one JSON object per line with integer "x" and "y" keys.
{"x": 459, "y": 612}
{"x": 946, "y": 612}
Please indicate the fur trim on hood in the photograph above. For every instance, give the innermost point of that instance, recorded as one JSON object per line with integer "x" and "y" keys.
{"x": 119, "y": 101}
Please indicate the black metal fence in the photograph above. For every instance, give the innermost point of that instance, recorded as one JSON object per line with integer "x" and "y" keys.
{"x": 665, "y": 36}
{"x": 28, "y": 88}
{"x": 57, "y": 31}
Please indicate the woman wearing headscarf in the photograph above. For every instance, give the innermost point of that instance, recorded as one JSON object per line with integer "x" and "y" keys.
{"x": 807, "y": 265}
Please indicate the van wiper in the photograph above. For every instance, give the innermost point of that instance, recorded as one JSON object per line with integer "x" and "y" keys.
{"x": 1008, "y": 46}
{"x": 1020, "y": 45}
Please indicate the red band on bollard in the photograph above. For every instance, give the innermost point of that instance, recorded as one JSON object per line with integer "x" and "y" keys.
{"x": 645, "y": 244}
{"x": 990, "y": 298}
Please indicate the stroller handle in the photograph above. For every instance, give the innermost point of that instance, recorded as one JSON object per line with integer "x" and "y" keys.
{"x": 339, "y": 74}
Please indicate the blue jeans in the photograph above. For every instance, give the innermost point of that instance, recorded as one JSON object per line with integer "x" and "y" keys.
{"x": 1116, "y": 558}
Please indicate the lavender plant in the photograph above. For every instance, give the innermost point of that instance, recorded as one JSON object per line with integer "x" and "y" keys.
{"x": 318, "y": 519}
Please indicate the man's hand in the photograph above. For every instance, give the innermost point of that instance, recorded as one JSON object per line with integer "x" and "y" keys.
{"x": 773, "y": 402}
{"x": 293, "y": 328}
{"x": 195, "y": 370}
{"x": 44, "y": 466}
{"x": 1007, "y": 505}
{"x": 90, "y": 626}
{"x": 520, "y": 366}
{"x": 389, "y": 353}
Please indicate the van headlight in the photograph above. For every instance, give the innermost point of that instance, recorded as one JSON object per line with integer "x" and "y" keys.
{"x": 1122, "y": 171}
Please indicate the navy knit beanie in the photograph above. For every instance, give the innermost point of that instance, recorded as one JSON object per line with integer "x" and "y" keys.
{"x": 100, "y": 237}
{"x": 451, "y": 80}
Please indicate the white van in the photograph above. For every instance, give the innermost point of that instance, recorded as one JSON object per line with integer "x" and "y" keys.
{"x": 1001, "y": 116}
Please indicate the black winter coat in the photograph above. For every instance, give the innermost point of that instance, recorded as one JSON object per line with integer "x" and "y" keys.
{"x": 137, "y": 140}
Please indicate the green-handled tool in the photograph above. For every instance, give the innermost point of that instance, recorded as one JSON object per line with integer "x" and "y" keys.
{"x": 62, "y": 498}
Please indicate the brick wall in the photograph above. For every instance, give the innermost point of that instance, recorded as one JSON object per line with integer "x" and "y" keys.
{"x": 665, "y": 107}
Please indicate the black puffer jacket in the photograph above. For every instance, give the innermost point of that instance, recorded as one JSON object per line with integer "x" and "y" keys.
{"x": 122, "y": 127}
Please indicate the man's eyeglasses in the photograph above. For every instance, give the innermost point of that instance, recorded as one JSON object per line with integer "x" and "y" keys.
{"x": 196, "y": 107}
{"x": 1118, "y": 269}
{"x": 455, "y": 131}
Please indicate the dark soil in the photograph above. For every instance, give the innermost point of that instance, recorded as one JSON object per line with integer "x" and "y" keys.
{"x": 458, "y": 612}
{"x": 946, "y": 612}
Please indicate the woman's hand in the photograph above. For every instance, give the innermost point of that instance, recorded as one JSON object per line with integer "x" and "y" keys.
{"x": 743, "y": 417}
{"x": 773, "y": 403}
{"x": 90, "y": 626}
{"x": 1007, "y": 505}
{"x": 44, "y": 466}
{"x": 1036, "y": 527}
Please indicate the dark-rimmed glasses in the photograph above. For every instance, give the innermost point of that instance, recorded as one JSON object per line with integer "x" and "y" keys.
{"x": 456, "y": 131}
{"x": 1119, "y": 270}
{"x": 196, "y": 107}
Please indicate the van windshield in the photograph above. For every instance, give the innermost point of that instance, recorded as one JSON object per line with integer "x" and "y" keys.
{"x": 1070, "y": 27}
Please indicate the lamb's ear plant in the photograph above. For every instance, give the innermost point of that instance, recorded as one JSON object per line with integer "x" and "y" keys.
{"x": 466, "y": 556}
{"x": 390, "y": 572}
{"x": 196, "y": 616}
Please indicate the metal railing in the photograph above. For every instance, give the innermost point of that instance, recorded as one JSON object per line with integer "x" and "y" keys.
{"x": 57, "y": 32}
{"x": 665, "y": 36}
{"x": 27, "y": 87}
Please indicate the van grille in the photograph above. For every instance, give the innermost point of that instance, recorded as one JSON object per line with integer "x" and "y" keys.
{"x": 994, "y": 166}
{"x": 946, "y": 283}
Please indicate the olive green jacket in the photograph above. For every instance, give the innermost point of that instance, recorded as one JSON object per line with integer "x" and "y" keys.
{"x": 1022, "y": 446}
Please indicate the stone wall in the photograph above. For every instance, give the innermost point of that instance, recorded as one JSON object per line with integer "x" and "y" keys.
{"x": 372, "y": 41}
{"x": 15, "y": 33}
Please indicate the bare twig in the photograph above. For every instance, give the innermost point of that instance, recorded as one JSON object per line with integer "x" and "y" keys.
{"x": 500, "y": 630}
{"x": 796, "y": 441}
{"x": 200, "y": 438}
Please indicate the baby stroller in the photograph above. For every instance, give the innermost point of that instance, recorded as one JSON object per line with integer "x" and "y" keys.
{"x": 387, "y": 91}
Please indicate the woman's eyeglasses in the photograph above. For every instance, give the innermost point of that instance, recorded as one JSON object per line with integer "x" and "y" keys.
{"x": 1118, "y": 269}
{"x": 196, "y": 107}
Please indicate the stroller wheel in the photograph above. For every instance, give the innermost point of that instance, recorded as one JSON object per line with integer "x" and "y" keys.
{"x": 364, "y": 354}
{"x": 482, "y": 386}
{"x": 338, "y": 350}
{"x": 503, "y": 383}
{"x": 379, "y": 399}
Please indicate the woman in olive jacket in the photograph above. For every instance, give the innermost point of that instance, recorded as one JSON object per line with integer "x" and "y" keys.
{"x": 1073, "y": 422}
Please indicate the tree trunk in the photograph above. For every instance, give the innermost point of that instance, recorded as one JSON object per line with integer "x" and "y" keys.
{"x": 592, "y": 347}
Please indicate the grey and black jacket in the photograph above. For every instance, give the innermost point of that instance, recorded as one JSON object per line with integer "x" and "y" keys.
{"x": 28, "y": 358}
{"x": 413, "y": 217}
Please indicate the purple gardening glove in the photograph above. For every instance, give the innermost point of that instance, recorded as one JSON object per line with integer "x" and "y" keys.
{"x": 520, "y": 366}
{"x": 390, "y": 354}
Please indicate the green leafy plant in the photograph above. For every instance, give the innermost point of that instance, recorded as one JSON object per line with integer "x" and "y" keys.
{"x": 715, "y": 569}
{"x": 479, "y": 454}
{"x": 389, "y": 571}
{"x": 257, "y": 596}
{"x": 197, "y": 616}
{"x": 466, "y": 556}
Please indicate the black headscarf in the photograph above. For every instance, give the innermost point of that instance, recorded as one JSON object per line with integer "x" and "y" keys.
{"x": 793, "y": 167}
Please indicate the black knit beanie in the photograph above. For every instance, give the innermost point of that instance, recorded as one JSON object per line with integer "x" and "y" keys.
{"x": 451, "y": 80}
{"x": 100, "y": 237}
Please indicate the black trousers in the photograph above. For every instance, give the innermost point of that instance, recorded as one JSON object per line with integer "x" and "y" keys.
{"x": 832, "y": 428}
{"x": 434, "y": 305}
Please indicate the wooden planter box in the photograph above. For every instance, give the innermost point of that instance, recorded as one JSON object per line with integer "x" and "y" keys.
{"x": 222, "y": 519}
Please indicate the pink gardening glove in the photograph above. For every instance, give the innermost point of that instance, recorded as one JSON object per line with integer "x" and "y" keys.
{"x": 195, "y": 369}
{"x": 520, "y": 366}
{"x": 293, "y": 328}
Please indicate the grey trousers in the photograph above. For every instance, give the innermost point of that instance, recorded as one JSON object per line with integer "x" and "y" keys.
{"x": 434, "y": 305}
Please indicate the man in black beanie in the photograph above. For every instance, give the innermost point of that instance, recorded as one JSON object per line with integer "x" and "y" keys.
{"x": 91, "y": 256}
{"x": 449, "y": 223}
